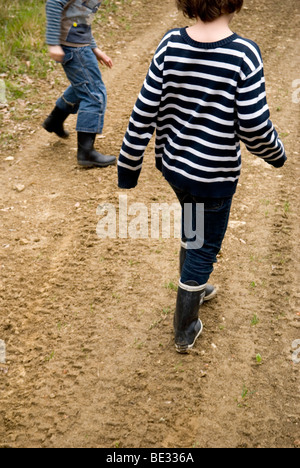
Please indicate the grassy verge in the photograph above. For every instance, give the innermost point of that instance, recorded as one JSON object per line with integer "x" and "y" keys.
{"x": 22, "y": 31}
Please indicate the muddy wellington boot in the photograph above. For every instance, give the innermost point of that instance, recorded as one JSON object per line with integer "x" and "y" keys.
{"x": 210, "y": 290}
{"x": 187, "y": 325}
{"x": 55, "y": 123}
{"x": 87, "y": 156}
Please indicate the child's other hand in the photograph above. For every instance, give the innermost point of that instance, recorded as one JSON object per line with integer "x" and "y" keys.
{"x": 56, "y": 53}
{"x": 103, "y": 58}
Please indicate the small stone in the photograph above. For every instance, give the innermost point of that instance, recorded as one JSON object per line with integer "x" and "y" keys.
{"x": 19, "y": 188}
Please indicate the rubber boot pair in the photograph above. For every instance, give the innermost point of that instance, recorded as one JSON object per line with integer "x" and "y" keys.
{"x": 87, "y": 156}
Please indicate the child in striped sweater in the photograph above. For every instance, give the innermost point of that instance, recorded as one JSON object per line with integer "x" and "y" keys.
{"x": 204, "y": 93}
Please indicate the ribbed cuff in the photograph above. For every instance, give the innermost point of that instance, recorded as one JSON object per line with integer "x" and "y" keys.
{"x": 279, "y": 163}
{"x": 127, "y": 179}
{"x": 192, "y": 288}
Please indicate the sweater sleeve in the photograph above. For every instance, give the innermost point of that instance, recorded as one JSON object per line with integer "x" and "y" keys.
{"x": 141, "y": 127}
{"x": 93, "y": 43}
{"x": 255, "y": 128}
{"x": 54, "y": 10}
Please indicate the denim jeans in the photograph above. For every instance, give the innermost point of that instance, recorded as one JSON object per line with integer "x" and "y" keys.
{"x": 87, "y": 93}
{"x": 199, "y": 262}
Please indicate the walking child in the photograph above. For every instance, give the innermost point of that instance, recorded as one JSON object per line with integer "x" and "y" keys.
{"x": 70, "y": 40}
{"x": 204, "y": 93}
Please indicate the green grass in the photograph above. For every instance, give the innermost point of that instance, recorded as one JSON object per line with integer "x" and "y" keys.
{"x": 258, "y": 359}
{"x": 287, "y": 207}
{"x": 255, "y": 320}
{"x": 22, "y": 38}
{"x": 171, "y": 286}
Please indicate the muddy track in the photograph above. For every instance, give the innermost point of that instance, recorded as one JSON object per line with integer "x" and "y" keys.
{"x": 88, "y": 323}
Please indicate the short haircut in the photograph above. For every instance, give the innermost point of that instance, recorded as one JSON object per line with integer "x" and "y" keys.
{"x": 208, "y": 10}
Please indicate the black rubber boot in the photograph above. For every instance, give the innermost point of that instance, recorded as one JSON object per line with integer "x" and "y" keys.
{"x": 87, "y": 156}
{"x": 55, "y": 123}
{"x": 187, "y": 325}
{"x": 210, "y": 290}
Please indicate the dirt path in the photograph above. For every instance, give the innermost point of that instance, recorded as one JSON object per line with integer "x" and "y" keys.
{"x": 87, "y": 323}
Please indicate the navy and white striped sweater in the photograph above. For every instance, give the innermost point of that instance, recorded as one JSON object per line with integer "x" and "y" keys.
{"x": 202, "y": 99}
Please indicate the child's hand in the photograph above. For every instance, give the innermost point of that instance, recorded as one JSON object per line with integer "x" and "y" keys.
{"x": 56, "y": 53}
{"x": 103, "y": 58}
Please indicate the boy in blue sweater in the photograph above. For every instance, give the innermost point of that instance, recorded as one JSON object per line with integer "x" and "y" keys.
{"x": 204, "y": 93}
{"x": 72, "y": 44}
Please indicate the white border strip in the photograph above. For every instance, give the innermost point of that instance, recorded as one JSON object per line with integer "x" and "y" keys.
{"x": 188, "y": 288}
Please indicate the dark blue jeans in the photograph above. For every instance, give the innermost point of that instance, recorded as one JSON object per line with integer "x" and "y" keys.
{"x": 87, "y": 93}
{"x": 199, "y": 262}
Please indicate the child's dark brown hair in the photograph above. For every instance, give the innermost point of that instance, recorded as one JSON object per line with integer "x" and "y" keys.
{"x": 208, "y": 10}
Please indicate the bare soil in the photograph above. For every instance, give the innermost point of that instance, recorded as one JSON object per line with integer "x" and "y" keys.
{"x": 87, "y": 323}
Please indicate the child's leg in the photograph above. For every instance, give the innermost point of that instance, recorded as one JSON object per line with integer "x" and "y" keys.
{"x": 67, "y": 104}
{"x": 198, "y": 265}
{"x": 88, "y": 94}
{"x": 82, "y": 70}
{"x": 69, "y": 101}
